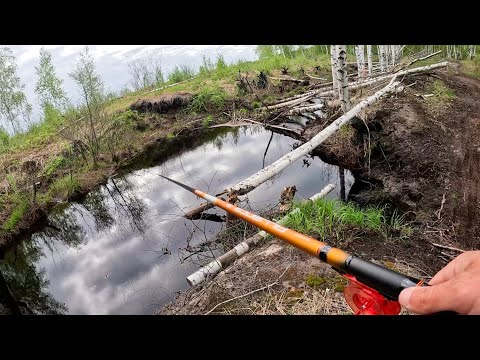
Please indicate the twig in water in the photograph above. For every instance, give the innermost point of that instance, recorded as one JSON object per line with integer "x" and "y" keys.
{"x": 250, "y": 293}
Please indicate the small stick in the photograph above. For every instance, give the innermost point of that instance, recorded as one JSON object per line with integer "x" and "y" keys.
{"x": 448, "y": 247}
{"x": 441, "y": 207}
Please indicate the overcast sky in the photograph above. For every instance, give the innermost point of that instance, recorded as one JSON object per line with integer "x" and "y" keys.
{"x": 111, "y": 61}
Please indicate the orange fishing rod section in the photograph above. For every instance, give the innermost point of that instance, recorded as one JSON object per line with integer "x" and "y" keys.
{"x": 387, "y": 282}
{"x": 311, "y": 246}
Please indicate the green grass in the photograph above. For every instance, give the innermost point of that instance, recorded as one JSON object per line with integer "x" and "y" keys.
{"x": 63, "y": 187}
{"x": 38, "y": 134}
{"x": 443, "y": 96}
{"x": 208, "y": 99}
{"x": 207, "y": 121}
{"x": 54, "y": 165}
{"x": 16, "y": 215}
{"x": 472, "y": 67}
{"x": 333, "y": 218}
{"x": 445, "y": 93}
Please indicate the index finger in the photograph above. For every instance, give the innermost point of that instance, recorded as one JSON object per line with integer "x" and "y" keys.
{"x": 454, "y": 267}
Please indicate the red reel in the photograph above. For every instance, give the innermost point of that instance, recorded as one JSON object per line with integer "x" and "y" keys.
{"x": 364, "y": 300}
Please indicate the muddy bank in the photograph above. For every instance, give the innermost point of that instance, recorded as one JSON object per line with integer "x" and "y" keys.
{"x": 425, "y": 158}
{"x": 423, "y": 162}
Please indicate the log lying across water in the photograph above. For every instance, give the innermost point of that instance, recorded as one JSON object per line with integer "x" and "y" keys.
{"x": 266, "y": 173}
{"x": 214, "y": 267}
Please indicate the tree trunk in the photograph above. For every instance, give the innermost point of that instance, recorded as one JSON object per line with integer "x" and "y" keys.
{"x": 394, "y": 55}
{"x": 419, "y": 59}
{"x": 263, "y": 175}
{"x": 333, "y": 60}
{"x": 382, "y": 57}
{"x": 369, "y": 59}
{"x": 304, "y": 109}
{"x": 342, "y": 79}
{"x": 360, "y": 55}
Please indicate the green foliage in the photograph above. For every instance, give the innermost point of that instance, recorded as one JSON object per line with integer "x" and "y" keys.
{"x": 314, "y": 281}
{"x": 49, "y": 87}
{"x": 146, "y": 71}
{"x": 126, "y": 117}
{"x": 12, "y": 181}
{"x": 264, "y": 51}
{"x": 221, "y": 64}
{"x": 64, "y": 187}
{"x": 37, "y": 134}
{"x": 207, "y": 120}
{"x": 13, "y": 102}
{"x": 208, "y": 99}
{"x": 442, "y": 91}
{"x": 54, "y": 165}
{"x": 178, "y": 74}
{"x": 207, "y": 66}
{"x": 4, "y": 139}
{"x": 85, "y": 76}
{"x": 330, "y": 217}
{"x": 16, "y": 215}
{"x": 92, "y": 90}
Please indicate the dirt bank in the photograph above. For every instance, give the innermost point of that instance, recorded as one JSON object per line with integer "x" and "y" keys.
{"x": 424, "y": 160}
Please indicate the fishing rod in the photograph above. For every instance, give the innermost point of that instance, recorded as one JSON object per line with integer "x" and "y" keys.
{"x": 372, "y": 289}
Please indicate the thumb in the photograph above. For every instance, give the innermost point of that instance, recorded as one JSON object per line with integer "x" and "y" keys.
{"x": 428, "y": 299}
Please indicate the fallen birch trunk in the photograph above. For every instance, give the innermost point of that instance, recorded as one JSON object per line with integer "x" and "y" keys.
{"x": 315, "y": 77}
{"x": 289, "y": 79}
{"x": 167, "y": 86}
{"x": 291, "y": 98}
{"x": 414, "y": 61}
{"x": 263, "y": 175}
{"x": 229, "y": 257}
{"x": 298, "y": 99}
{"x": 367, "y": 82}
{"x": 292, "y": 102}
{"x": 304, "y": 109}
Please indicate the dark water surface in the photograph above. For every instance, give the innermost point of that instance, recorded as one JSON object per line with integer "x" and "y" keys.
{"x": 122, "y": 250}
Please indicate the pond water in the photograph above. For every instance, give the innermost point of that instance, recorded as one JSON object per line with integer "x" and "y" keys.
{"x": 123, "y": 249}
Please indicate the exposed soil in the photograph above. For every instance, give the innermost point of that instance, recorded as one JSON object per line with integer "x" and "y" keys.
{"x": 423, "y": 150}
{"x": 163, "y": 103}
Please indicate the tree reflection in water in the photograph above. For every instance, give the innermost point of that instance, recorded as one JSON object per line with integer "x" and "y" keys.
{"x": 113, "y": 202}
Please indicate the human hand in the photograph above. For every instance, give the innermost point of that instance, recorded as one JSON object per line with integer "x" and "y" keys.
{"x": 456, "y": 288}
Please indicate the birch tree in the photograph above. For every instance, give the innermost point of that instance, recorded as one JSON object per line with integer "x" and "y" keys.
{"x": 333, "y": 60}
{"x": 146, "y": 71}
{"x": 342, "y": 79}
{"x": 13, "y": 102}
{"x": 393, "y": 55}
{"x": 92, "y": 92}
{"x": 359, "y": 54}
{"x": 369, "y": 59}
{"x": 49, "y": 87}
{"x": 382, "y": 57}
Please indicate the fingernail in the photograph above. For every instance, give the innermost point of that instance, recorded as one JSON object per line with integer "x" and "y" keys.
{"x": 404, "y": 297}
